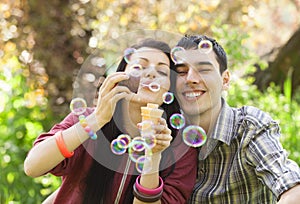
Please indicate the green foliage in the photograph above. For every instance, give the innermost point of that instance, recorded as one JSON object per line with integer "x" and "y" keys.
{"x": 279, "y": 105}
{"x": 20, "y": 123}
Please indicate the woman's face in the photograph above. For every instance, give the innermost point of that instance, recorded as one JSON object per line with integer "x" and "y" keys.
{"x": 153, "y": 68}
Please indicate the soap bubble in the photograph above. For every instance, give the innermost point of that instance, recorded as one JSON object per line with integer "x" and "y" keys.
{"x": 154, "y": 87}
{"x": 118, "y": 146}
{"x": 138, "y": 144}
{"x": 78, "y": 106}
{"x": 194, "y": 136}
{"x": 127, "y": 54}
{"x": 205, "y": 46}
{"x": 135, "y": 70}
{"x": 150, "y": 140}
{"x": 173, "y": 54}
{"x": 168, "y": 97}
{"x": 177, "y": 121}
{"x": 143, "y": 164}
{"x": 137, "y": 148}
{"x": 125, "y": 138}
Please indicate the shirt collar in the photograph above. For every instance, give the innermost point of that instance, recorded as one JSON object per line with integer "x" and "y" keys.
{"x": 224, "y": 127}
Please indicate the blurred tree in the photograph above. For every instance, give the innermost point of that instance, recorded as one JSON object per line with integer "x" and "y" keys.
{"x": 59, "y": 45}
{"x": 287, "y": 58}
{"x": 66, "y": 33}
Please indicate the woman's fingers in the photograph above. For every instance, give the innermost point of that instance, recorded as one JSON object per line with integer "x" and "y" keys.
{"x": 163, "y": 139}
{"x": 163, "y": 129}
{"x": 111, "y": 81}
{"x": 108, "y": 98}
{"x": 163, "y": 136}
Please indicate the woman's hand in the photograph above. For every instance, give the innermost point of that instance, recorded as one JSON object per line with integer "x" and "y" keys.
{"x": 162, "y": 135}
{"x": 108, "y": 96}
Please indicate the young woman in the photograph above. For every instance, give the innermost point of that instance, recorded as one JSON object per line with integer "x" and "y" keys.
{"x": 90, "y": 172}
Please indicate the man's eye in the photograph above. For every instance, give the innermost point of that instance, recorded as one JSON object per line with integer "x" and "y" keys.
{"x": 202, "y": 70}
{"x": 181, "y": 70}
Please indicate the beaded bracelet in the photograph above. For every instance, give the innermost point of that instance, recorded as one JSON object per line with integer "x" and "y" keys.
{"x": 149, "y": 191}
{"x": 146, "y": 198}
{"x": 86, "y": 127}
{"x": 62, "y": 146}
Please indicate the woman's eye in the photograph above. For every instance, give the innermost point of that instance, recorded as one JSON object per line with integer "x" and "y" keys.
{"x": 162, "y": 73}
{"x": 137, "y": 67}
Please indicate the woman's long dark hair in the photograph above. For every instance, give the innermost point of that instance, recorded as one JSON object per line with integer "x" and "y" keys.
{"x": 100, "y": 177}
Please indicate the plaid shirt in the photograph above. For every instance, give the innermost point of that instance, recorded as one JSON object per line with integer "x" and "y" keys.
{"x": 243, "y": 160}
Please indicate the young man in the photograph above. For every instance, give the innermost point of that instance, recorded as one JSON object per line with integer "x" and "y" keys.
{"x": 242, "y": 160}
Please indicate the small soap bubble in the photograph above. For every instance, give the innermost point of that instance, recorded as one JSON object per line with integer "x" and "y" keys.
{"x": 173, "y": 54}
{"x": 137, "y": 148}
{"x": 138, "y": 144}
{"x": 143, "y": 164}
{"x": 205, "y": 46}
{"x": 118, "y": 146}
{"x": 128, "y": 53}
{"x": 194, "y": 136}
{"x": 135, "y": 70}
{"x": 168, "y": 97}
{"x": 150, "y": 140}
{"x": 125, "y": 138}
{"x": 78, "y": 106}
{"x": 177, "y": 121}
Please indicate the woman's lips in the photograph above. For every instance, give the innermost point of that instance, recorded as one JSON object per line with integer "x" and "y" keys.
{"x": 151, "y": 85}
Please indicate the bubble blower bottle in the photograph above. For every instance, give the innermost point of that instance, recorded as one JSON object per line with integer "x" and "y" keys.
{"x": 151, "y": 115}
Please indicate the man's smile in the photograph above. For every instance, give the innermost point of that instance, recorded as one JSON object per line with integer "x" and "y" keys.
{"x": 192, "y": 95}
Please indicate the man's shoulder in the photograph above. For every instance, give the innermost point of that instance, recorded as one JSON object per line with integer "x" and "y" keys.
{"x": 255, "y": 116}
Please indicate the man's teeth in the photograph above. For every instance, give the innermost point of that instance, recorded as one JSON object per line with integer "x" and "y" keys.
{"x": 193, "y": 94}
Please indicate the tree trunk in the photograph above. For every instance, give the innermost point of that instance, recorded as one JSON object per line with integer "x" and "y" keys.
{"x": 287, "y": 58}
{"x": 58, "y": 50}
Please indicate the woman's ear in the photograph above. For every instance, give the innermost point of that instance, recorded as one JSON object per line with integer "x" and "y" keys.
{"x": 226, "y": 79}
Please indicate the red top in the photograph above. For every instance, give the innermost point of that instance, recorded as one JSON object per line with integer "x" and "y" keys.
{"x": 177, "y": 186}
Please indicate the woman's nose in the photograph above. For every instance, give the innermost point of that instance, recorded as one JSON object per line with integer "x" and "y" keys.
{"x": 151, "y": 72}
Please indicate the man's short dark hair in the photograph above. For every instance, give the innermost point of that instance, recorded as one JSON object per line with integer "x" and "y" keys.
{"x": 192, "y": 41}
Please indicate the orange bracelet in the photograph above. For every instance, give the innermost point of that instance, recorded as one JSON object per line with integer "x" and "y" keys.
{"x": 62, "y": 146}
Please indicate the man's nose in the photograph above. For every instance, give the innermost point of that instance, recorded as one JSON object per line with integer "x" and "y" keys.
{"x": 193, "y": 76}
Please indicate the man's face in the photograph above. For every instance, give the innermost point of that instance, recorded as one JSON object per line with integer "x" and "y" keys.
{"x": 199, "y": 83}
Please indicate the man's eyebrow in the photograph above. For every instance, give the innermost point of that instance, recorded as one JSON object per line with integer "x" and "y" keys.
{"x": 205, "y": 63}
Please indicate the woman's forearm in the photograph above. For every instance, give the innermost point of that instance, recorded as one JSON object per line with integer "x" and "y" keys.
{"x": 46, "y": 155}
{"x": 150, "y": 178}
